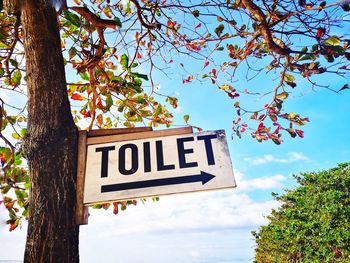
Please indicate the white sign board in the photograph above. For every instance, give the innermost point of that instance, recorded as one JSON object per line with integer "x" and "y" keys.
{"x": 139, "y": 168}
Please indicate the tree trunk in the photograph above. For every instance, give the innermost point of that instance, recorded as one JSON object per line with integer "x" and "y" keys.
{"x": 51, "y": 141}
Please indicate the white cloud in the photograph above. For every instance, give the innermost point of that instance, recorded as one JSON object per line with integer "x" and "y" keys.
{"x": 269, "y": 158}
{"x": 196, "y": 212}
{"x": 198, "y": 224}
{"x": 200, "y": 217}
{"x": 261, "y": 183}
{"x": 213, "y": 210}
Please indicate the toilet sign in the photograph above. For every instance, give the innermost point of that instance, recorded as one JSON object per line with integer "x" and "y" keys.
{"x": 155, "y": 163}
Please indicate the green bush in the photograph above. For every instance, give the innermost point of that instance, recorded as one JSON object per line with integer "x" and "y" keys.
{"x": 313, "y": 222}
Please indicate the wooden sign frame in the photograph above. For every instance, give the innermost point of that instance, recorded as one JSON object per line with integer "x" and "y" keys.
{"x": 109, "y": 135}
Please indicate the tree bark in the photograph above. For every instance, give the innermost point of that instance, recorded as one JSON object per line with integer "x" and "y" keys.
{"x": 50, "y": 145}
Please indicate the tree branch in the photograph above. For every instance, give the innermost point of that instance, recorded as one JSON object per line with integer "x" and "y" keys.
{"x": 95, "y": 20}
{"x": 142, "y": 21}
{"x": 259, "y": 16}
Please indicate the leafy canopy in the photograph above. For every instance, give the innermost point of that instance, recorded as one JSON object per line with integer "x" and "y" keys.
{"x": 312, "y": 224}
{"x": 113, "y": 49}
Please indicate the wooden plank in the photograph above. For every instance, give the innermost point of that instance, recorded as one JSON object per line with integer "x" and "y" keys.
{"x": 139, "y": 135}
{"x": 116, "y": 131}
{"x": 81, "y": 212}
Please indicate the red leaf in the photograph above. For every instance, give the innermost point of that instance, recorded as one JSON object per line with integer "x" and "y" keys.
{"x": 198, "y": 26}
{"x": 261, "y": 126}
{"x": 86, "y": 113}
{"x": 206, "y": 63}
{"x": 99, "y": 120}
{"x": 189, "y": 79}
{"x": 3, "y": 159}
{"x": 277, "y": 131}
{"x": 320, "y": 32}
{"x": 346, "y": 86}
{"x": 99, "y": 103}
{"x": 262, "y": 117}
{"x": 115, "y": 209}
{"x": 171, "y": 24}
{"x": 300, "y": 133}
{"x": 12, "y": 227}
{"x": 76, "y": 96}
{"x": 213, "y": 71}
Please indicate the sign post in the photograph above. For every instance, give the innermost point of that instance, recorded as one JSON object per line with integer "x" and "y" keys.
{"x": 152, "y": 163}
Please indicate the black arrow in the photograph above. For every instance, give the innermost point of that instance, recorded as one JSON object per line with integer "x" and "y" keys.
{"x": 202, "y": 177}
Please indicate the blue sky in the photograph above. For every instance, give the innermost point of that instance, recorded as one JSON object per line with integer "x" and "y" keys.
{"x": 215, "y": 227}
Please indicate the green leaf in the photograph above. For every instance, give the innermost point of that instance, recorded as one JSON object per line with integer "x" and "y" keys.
{"x": 72, "y": 52}
{"x": 186, "y": 118}
{"x": 124, "y": 61}
{"x": 329, "y": 58}
{"x": 12, "y": 119}
{"x": 289, "y": 78}
{"x": 233, "y": 22}
{"x": 195, "y": 13}
{"x": 16, "y": 78}
{"x": 25, "y": 213}
{"x": 5, "y": 189}
{"x": 20, "y": 194}
{"x": 282, "y": 96}
{"x": 13, "y": 62}
{"x": 159, "y": 110}
{"x": 71, "y": 17}
{"x": 3, "y": 45}
{"x": 304, "y": 50}
{"x": 109, "y": 101}
{"x": 141, "y": 76}
{"x": 140, "y": 99}
{"x": 118, "y": 22}
{"x": 338, "y": 50}
{"x": 4, "y": 124}
{"x": 137, "y": 88}
{"x": 16, "y": 136}
{"x": 332, "y": 41}
{"x": 307, "y": 57}
{"x": 27, "y": 185}
{"x": 218, "y": 31}
{"x": 84, "y": 76}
